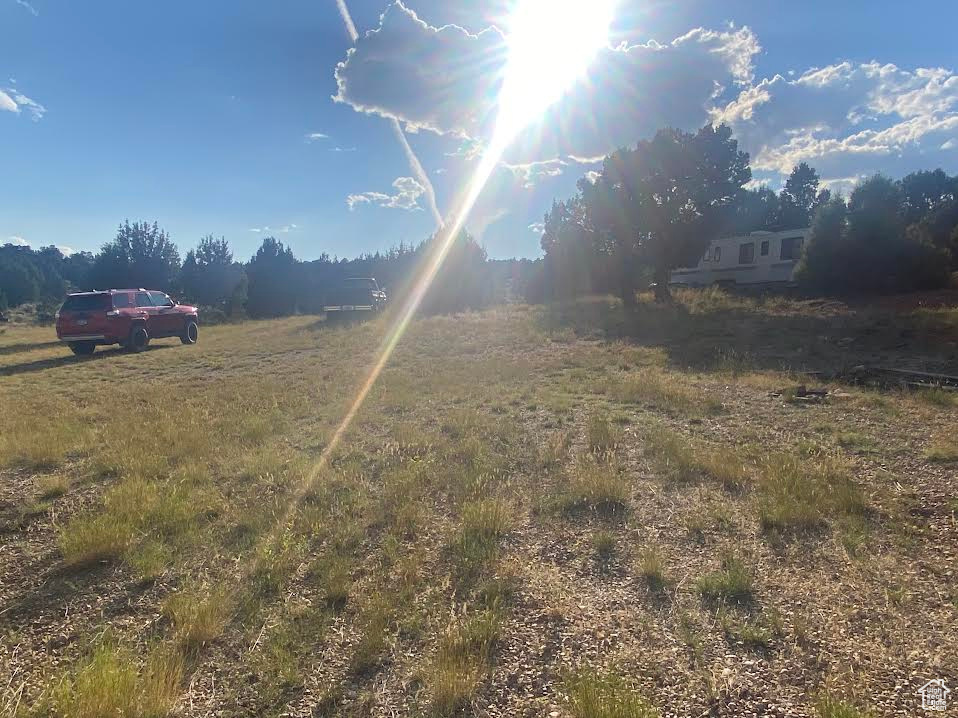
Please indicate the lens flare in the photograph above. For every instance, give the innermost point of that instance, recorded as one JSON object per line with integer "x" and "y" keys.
{"x": 551, "y": 43}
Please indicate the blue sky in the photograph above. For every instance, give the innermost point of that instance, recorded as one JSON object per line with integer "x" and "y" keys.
{"x": 200, "y": 114}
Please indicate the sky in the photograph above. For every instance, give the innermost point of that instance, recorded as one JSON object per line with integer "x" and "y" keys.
{"x": 245, "y": 119}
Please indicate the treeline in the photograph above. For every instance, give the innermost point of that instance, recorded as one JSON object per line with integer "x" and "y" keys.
{"x": 272, "y": 283}
{"x": 657, "y": 206}
{"x": 650, "y": 209}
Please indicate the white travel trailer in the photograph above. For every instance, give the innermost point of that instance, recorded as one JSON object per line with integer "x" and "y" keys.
{"x": 755, "y": 258}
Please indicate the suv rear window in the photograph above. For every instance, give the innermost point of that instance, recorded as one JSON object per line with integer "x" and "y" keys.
{"x": 87, "y": 303}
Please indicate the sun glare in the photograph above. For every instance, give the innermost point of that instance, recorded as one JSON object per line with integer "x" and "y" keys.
{"x": 551, "y": 43}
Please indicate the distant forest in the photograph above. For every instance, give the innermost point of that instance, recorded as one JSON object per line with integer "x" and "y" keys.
{"x": 650, "y": 209}
{"x": 272, "y": 283}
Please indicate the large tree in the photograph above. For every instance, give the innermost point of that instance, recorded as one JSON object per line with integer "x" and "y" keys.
{"x": 755, "y": 209}
{"x": 867, "y": 249}
{"x": 923, "y": 192}
{"x": 939, "y": 227}
{"x": 661, "y": 203}
{"x": 572, "y": 249}
{"x": 274, "y": 280}
{"x": 800, "y": 196}
{"x": 141, "y": 255}
{"x": 210, "y": 276}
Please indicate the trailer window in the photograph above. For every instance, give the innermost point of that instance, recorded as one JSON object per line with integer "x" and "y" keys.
{"x": 765, "y": 248}
{"x": 718, "y": 254}
{"x": 746, "y": 253}
{"x": 792, "y": 247}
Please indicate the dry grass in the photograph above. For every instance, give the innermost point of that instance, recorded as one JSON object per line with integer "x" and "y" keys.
{"x": 109, "y": 684}
{"x": 593, "y": 486}
{"x": 669, "y": 392}
{"x": 799, "y": 492}
{"x": 831, "y": 707}
{"x": 198, "y": 616}
{"x": 602, "y": 436}
{"x": 52, "y": 487}
{"x": 652, "y": 568}
{"x": 461, "y": 661}
{"x": 943, "y": 448}
{"x": 486, "y": 508}
{"x": 683, "y": 460}
{"x": 91, "y": 539}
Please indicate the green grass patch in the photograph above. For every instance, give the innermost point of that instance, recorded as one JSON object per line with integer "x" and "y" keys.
{"x": 604, "y": 695}
{"x": 732, "y": 583}
{"x": 109, "y": 683}
{"x": 799, "y": 492}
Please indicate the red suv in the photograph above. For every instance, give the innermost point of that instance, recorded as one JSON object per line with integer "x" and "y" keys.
{"x": 128, "y": 317}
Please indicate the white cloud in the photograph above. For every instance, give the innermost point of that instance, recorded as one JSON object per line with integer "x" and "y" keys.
{"x": 842, "y": 185}
{"x": 65, "y": 251}
{"x": 859, "y": 117}
{"x": 17, "y": 241}
{"x": 845, "y": 119}
{"x": 592, "y": 175}
{"x": 408, "y": 192}
{"x": 28, "y": 6}
{"x": 528, "y": 175}
{"x": 283, "y": 229}
{"x": 7, "y": 103}
{"x": 537, "y": 227}
{"x": 445, "y": 79}
{"x": 314, "y": 136}
{"x": 342, "y": 149}
{"x": 12, "y": 100}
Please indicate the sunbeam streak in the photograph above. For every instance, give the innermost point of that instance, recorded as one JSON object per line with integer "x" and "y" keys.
{"x": 519, "y": 103}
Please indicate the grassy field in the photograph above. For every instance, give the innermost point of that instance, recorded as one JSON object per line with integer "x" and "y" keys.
{"x": 538, "y": 512}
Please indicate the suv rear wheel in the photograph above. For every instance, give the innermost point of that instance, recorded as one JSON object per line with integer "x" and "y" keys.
{"x": 191, "y": 332}
{"x": 82, "y": 348}
{"x": 139, "y": 338}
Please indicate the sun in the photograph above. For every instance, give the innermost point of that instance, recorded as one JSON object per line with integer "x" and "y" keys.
{"x": 551, "y": 44}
